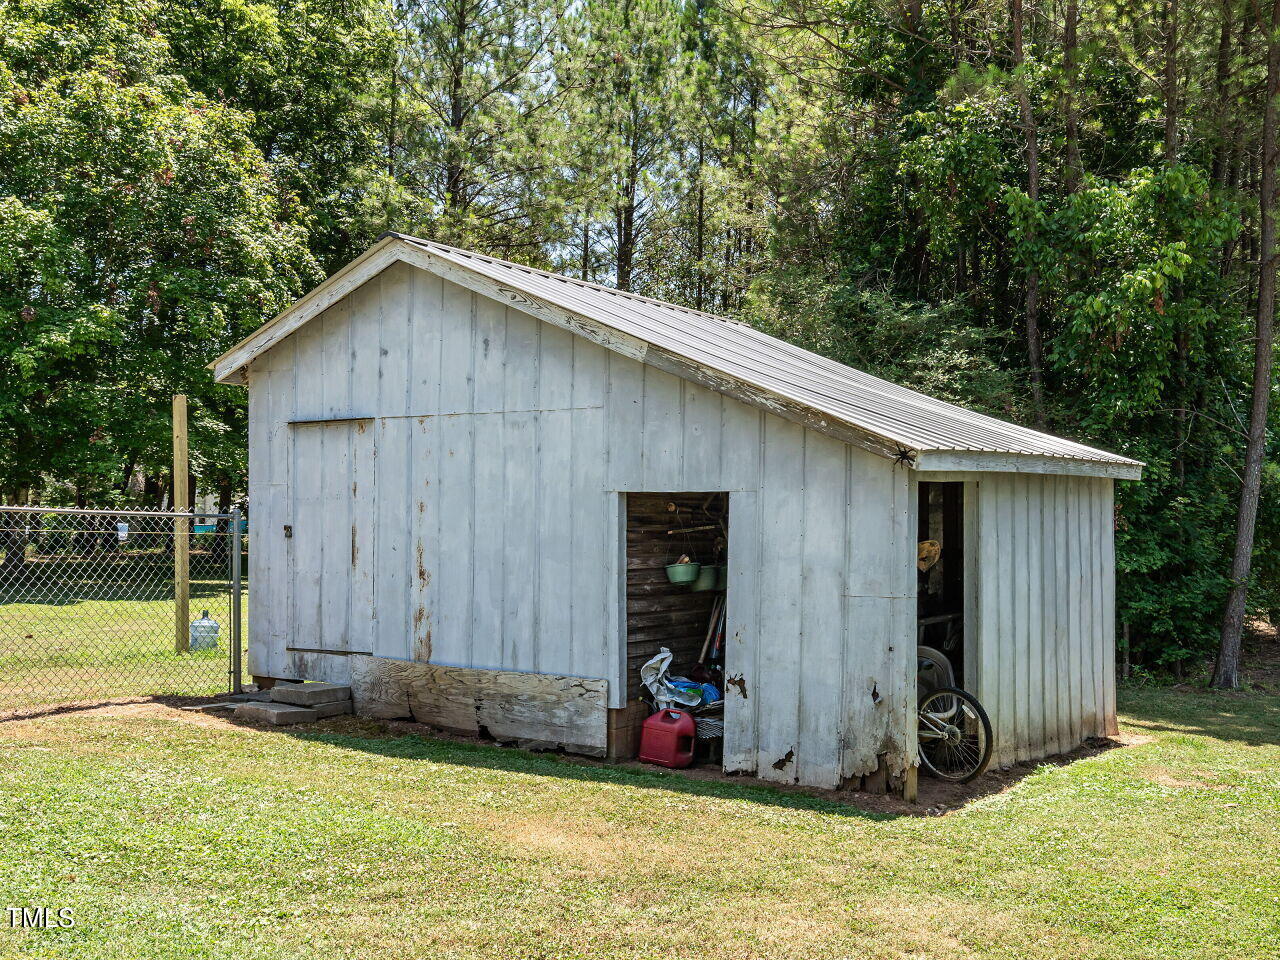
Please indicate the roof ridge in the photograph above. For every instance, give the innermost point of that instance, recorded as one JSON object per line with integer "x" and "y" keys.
{"x": 563, "y": 278}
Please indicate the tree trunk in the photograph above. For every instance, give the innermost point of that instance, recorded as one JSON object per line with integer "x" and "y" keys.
{"x": 1074, "y": 171}
{"x": 1226, "y": 673}
{"x": 1170, "y": 158}
{"x": 13, "y": 541}
{"x": 1226, "y": 150}
{"x": 392, "y": 120}
{"x": 1171, "y": 82}
{"x": 624, "y": 220}
{"x": 455, "y": 172}
{"x": 1221, "y": 77}
{"x": 625, "y": 223}
{"x": 699, "y": 235}
{"x": 1032, "y": 302}
{"x": 219, "y": 551}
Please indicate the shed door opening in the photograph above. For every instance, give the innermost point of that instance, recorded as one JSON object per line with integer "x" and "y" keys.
{"x": 688, "y": 618}
{"x": 940, "y": 572}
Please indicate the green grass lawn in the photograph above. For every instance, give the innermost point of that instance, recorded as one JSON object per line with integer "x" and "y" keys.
{"x": 174, "y": 835}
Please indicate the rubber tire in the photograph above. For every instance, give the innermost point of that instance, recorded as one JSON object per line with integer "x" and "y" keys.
{"x": 986, "y": 728}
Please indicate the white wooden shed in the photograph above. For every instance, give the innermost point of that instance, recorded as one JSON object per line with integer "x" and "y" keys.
{"x": 454, "y": 464}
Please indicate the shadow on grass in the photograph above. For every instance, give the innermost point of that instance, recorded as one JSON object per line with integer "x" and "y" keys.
{"x": 1242, "y": 716}
{"x": 86, "y": 706}
{"x": 125, "y": 576}
{"x": 377, "y": 738}
{"x": 1245, "y": 717}
{"x": 415, "y": 741}
{"x": 124, "y": 587}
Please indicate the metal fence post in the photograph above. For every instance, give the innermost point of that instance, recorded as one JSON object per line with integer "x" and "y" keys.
{"x": 237, "y": 682}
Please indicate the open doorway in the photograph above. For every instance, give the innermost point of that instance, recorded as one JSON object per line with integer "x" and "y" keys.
{"x": 676, "y": 589}
{"x": 940, "y": 586}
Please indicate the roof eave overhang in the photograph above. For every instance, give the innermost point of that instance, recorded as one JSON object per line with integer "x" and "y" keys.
{"x": 978, "y": 461}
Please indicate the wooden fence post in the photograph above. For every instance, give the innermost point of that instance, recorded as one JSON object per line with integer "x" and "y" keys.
{"x": 181, "y": 528}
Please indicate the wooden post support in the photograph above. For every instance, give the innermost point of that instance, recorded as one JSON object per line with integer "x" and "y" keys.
{"x": 911, "y": 785}
{"x": 181, "y": 528}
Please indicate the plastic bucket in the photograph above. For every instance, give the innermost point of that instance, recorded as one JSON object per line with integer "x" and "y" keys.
{"x": 706, "y": 579}
{"x": 722, "y": 576}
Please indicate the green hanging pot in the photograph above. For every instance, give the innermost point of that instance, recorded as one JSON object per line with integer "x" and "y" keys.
{"x": 707, "y": 578}
{"x": 683, "y": 572}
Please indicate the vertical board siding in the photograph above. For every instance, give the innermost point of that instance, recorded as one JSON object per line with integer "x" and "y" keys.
{"x": 778, "y": 677}
{"x": 742, "y": 618}
{"x": 594, "y": 640}
{"x": 451, "y": 505}
{"x": 822, "y": 627}
{"x": 878, "y": 689}
{"x": 1043, "y": 618}
{"x": 554, "y": 617}
{"x": 478, "y": 521}
{"x": 1106, "y": 519}
{"x": 306, "y": 504}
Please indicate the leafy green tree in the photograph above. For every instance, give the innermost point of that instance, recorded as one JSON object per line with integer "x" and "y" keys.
{"x": 313, "y": 79}
{"x": 1140, "y": 357}
{"x": 637, "y": 54}
{"x": 480, "y": 137}
{"x": 704, "y": 239}
{"x": 141, "y": 233}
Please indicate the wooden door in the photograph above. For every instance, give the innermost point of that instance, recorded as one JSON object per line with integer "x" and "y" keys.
{"x": 332, "y": 492}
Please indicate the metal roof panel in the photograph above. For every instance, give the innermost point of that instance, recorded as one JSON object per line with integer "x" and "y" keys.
{"x": 731, "y": 348}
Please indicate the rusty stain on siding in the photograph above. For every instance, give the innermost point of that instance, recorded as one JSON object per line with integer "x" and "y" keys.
{"x": 424, "y": 578}
{"x": 421, "y": 634}
{"x": 740, "y": 683}
{"x": 355, "y": 550}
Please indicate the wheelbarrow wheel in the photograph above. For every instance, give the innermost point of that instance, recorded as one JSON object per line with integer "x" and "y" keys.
{"x": 954, "y": 734}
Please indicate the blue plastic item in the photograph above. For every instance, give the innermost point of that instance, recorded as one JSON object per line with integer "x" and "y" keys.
{"x": 706, "y": 691}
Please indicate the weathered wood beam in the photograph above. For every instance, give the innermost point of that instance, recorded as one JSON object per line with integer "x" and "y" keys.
{"x": 536, "y": 710}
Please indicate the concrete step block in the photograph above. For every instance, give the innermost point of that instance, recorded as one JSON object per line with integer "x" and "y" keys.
{"x": 333, "y": 708}
{"x": 221, "y": 706}
{"x": 309, "y": 694}
{"x": 277, "y": 713}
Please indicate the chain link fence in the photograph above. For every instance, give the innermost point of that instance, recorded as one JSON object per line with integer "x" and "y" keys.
{"x": 92, "y": 605}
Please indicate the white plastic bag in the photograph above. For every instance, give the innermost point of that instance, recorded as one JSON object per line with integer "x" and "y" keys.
{"x": 657, "y": 680}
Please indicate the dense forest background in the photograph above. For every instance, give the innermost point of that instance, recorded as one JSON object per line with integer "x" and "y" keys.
{"x": 1045, "y": 209}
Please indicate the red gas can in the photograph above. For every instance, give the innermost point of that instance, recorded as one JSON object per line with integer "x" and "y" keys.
{"x": 667, "y": 739}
